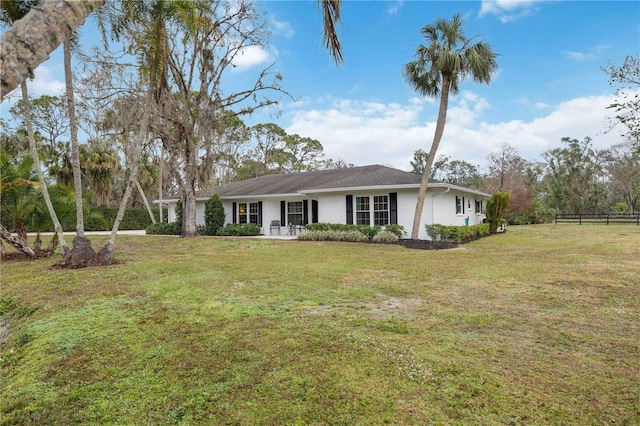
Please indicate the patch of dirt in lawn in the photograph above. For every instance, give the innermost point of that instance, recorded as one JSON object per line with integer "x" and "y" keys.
{"x": 378, "y": 309}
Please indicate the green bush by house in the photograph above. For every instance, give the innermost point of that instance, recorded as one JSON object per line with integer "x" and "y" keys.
{"x": 456, "y": 234}
{"x": 239, "y": 230}
{"x": 366, "y": 230}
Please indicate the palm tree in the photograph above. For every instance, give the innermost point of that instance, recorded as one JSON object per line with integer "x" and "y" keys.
{"x": 11, "y": 12}
{"x": 59, "y": 164}
{"x": 73, "y": 128}
{"x": 440, "y": 65}
{"x": 100, "y": 163}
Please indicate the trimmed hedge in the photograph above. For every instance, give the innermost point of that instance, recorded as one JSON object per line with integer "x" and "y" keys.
{"x": 134, "y": 218}
{"x": 352, "y": 236}
{"x": 456, "y": 234}
{"x": 164, "y": 228}
{"x": 239, "y": 230}
{"x": 368, "y": 231}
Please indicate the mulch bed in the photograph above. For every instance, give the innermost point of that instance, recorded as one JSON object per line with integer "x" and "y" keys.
{"x": 427, "y": 245}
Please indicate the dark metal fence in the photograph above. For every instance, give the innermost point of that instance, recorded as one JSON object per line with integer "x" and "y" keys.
{"x": 600, "y": 219}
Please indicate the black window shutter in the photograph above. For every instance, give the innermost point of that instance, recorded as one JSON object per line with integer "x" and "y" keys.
{"x": 314, "y": 211}
{"x": 234, "y": 214}
{"x": 462, "y": 205}
{"x": 283, "y": 213}
{"x": 305, "y": 212}
{"x": 393, "y": 208}
{"x": 350, "y": 209}
{"x": 260, "y": 213}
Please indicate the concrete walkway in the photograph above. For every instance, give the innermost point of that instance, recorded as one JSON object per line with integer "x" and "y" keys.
{"x": 143, "y": 232}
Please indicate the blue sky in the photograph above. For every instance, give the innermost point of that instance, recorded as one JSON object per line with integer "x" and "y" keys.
{"x": 549, "y": 84}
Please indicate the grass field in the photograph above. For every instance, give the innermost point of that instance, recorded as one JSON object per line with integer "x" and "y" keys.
{"x": 538, "y": 326}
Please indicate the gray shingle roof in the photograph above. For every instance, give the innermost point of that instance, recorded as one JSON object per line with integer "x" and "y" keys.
{"x": 291, "y": 183}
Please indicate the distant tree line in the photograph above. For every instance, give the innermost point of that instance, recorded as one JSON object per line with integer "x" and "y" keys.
{"x": 573, "y": 178}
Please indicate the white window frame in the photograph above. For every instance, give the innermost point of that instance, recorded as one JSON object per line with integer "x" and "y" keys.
{"x": 363, "y": 209}
{"x": 295, "y": 217}
{"x": 478, "y": 206}
{"x": 459, "y": 206}
{"x": 372, "y": 209}
{"x": 380, "y": 215}
{"x": 250, "y": 214}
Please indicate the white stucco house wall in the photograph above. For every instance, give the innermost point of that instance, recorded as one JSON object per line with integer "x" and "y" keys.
{"x": 359, "y": 195}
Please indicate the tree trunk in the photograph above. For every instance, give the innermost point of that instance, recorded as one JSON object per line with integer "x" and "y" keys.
{"x": 145, "y": 200}
{"x": 20, "y": 245}
{"x": 160, "y": 181}
{"x": 189, "y": 207}
{"x": 106, "y": 255}
{"x": 442, "y": 118}
{"x": 40, "y": 32}
{"x": 189, "y": 228}
{"x": 73, "y": 128}
{"x": 36, "y": 163}
{"x": 81, "y": 256}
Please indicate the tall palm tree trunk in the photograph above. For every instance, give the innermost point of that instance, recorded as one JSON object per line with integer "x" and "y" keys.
{"x": 36, "y": 163}
{"x": 73, "y": 128}
{"x": 160, "y": 177}
{"x": 437, "y": 137}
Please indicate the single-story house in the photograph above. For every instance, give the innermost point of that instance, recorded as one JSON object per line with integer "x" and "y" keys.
{"x": 372, "y": 195}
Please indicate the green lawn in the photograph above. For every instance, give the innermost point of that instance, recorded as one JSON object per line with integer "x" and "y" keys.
{"x": 537, "y": 326}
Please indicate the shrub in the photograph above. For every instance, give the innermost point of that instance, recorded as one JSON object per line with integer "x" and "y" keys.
{"x": 134, "y": 218}
{"x": 213, "y": 216}
{"x": 239, "y": 230}
{"x": 396, "y": 229}
{"x": 437, "y": 232}
{"x": 164, "y": 228}
{"x": 496, "y": 207}
{"x": 368, "y": 231}
{"x": 620, "y": 208}
{"x": 458, "y": 234}
{"x": 330, "y": 235}
{"x": 95, "y": 223}
{"x": 385, "y": 237}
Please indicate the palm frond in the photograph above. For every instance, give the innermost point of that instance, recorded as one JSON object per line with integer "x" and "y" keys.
{"x": 330, "y": 18}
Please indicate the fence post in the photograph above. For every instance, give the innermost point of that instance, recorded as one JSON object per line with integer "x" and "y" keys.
{"x": 556, "y": 218}
{"x": 580, "y": 218}
{"x": 607, "y": 218}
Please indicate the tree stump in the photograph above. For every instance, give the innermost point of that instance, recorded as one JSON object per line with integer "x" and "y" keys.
{"x": 80, "y": 256}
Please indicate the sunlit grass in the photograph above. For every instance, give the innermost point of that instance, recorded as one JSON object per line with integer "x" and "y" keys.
{"x": 536, "y": 326}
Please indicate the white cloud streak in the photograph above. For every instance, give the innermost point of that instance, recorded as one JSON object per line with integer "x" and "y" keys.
{"x": 250, "y": 56}
{"x": 374, "y": 133}
{"x": 507, "y": 10}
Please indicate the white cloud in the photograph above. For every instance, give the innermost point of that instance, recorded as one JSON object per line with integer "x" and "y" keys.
{"x": 507, "y": 10}
{"x": 592, "y": 54}
{"x": 394, "y": 7}
{"x": 374, "y": 133}
{"x": 46, "y": 83}
{"x": 250, "y": 56}
{"x": 282, "y": 27}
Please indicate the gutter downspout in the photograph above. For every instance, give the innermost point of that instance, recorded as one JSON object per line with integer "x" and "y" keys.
{"x": 432, "y": 203}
